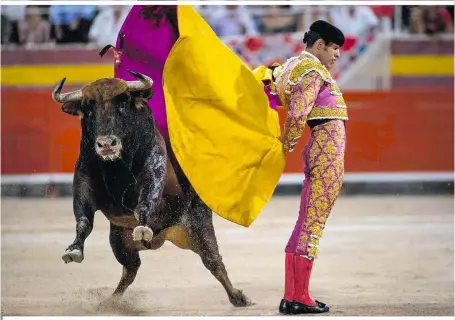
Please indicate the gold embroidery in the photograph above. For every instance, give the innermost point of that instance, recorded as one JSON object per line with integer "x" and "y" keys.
{"x": 302, "y": 99}
{"x": 304, "y": 240}
{"x": 335, "y": 90}
{"x": 305, "y": 66}
{"x": 340, "y": 101}
{"x": 326, "y": 170}
{"x": 278, "y": 70}
{"x": 282, "y": 69}
{"x": 319, "y": 112}
{"x": 282, "y": 86}
{"x": 298, "y": 94}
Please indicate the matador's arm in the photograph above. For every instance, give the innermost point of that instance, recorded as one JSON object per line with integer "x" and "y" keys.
{"x": 302, "y": 98}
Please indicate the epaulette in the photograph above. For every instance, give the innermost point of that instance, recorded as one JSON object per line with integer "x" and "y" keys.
{"x": 304, "y": 67}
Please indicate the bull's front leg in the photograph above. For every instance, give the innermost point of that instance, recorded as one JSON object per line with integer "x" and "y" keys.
{"x": 152, "y": 181}
{"x": 84, "y": 212}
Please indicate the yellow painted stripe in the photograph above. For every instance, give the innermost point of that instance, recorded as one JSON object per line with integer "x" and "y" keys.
{"x": 51, "y": 74}
{"x": 80, "y": 74}
{"x": 421, "y": 65}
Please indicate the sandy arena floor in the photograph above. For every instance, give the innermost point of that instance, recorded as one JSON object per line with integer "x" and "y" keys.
{"x": 379, "y": 256}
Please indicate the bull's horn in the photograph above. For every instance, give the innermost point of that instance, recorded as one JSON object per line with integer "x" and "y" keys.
{"x": 143, "y": 83}
{"x": 65, "y": 97}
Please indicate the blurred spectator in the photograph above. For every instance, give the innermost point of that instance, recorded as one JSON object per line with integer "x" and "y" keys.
{"x": 232, "y": 20}
{"x": 72, "y": 23}
{"x": 405, "y": 19}
{"x": 6, "y": 29}
{"x": 11, "y": 15}
{"x": 430, "y": 20}
{"x": 451, "y": 13}
{"x": 34, "y": 28}
{"x": 354, "y": 21}
{"x": 101, "y": 24}
{"x": 277, "y": 21}
{"x": 437, "y": 20}
{"x": 107, "y": 24}
{"x": 416, "y": 20}
{"x": 385, "y": 15}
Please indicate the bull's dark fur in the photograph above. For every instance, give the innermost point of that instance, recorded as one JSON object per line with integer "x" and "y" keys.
{"x": 142, "y": 182}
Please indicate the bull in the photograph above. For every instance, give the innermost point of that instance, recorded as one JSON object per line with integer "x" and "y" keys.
{"x": 127, "y": 170}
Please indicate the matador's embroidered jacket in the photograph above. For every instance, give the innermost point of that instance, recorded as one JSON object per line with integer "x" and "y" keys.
{"x": 308, "y": 91}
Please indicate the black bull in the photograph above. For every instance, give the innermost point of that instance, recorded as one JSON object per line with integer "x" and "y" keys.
{"x": 127, "y": 171}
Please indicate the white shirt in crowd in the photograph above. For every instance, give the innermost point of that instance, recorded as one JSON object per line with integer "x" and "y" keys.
{"x": 232, "y": 22}
{"x": 14, "y": 13}
{"x": 105, "y": 28}
{"x": 354, "y": 20}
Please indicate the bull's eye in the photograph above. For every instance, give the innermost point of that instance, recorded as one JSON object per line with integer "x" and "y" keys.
{"x": 87, "y": 107}
{"x": 122, "y": 107}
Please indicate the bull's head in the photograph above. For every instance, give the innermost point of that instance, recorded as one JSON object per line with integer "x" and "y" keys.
{"x": 110, "y": 109}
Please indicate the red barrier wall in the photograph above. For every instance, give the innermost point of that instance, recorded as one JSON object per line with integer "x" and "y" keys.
{"x": 398, "y": 131}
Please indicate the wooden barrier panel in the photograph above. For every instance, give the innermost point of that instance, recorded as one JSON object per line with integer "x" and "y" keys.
{"x": 398, "y": 131}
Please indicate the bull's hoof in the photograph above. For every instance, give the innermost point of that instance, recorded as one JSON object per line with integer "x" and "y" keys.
{"x": 74, "y": 255}
{"x": 142, "y": 233}
{"x": 240, "y": 300}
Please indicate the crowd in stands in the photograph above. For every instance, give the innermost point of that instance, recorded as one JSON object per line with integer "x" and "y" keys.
{"x": 60, "y": 24}
{"x": 37, "y": 24}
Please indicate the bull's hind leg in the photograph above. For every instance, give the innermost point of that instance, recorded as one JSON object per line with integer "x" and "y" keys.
{"x": 203, "y": 242}
{"x": 127, "y": 255}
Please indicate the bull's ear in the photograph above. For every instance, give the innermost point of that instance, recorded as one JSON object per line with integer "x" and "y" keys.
{"x": 73, "y": 108}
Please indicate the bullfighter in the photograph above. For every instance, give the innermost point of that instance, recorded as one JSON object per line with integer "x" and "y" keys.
{"x": 305, "y": 87}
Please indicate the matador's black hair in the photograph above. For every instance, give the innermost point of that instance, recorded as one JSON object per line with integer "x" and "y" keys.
{"x": 323, "y": 30}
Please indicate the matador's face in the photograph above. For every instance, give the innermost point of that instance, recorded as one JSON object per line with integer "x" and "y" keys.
{"x": 329, "y": 54}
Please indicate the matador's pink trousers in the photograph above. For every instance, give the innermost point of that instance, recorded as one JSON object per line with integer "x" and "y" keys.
{"x": 323, "y": 159}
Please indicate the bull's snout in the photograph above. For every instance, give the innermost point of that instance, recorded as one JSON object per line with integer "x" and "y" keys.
{"x": 108, "y": 147}
{"x": 107, "y": 141}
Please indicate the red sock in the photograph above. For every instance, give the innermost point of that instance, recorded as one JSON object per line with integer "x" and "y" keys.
{"x": 303, "y": 268}
{"x": 289, "y": 277}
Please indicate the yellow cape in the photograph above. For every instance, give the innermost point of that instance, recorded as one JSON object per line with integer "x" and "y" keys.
{"x": 222, "y": 130}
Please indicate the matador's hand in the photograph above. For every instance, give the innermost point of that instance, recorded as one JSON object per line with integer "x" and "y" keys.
{"x": 286, "y": 147}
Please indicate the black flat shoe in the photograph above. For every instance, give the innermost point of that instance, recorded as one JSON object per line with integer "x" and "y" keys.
{"x": 300, "y": 308}
{"x": 285, "y": 306}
